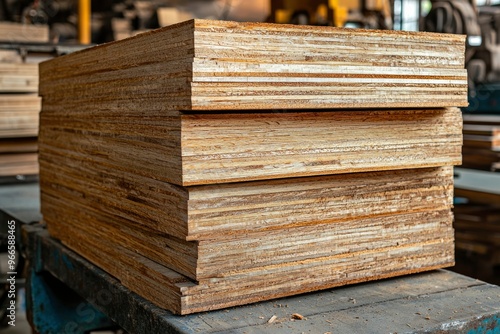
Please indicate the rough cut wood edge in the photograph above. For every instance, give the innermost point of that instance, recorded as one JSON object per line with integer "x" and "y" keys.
{"x": 23, "y": 33}
{"x": 18, "y": 78}
{"x": 197, "y": 91}
{"x": 200, "y": 213}
{"x": 141, "y": 214}
{"x": 19, "y": 115}
{"x": 174, "y": 292}
{"x": 187, "y": 149}
{"x": 220, "y": 148}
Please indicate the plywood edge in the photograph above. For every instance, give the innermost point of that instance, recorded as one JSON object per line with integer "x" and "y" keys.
{"x": 304, "y": 29}
{"x": 132, "y": 53}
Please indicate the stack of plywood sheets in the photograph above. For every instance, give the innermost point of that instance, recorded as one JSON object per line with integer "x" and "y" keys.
{"x": 481, "y": 148}
{"x": 478, "y": 229}
{"x": 19, "y": 113}
{"x": 176, "y": 168}
{"x": 19, "y": 101}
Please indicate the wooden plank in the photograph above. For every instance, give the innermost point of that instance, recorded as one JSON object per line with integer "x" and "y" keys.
{"x": 475, "y": 213}
{"x": 481, "y": 148}
{"x": 20, "y": 102}
{"x": 341, "y": 142}
{"x": 18, "y": 124}
{"x": 220, "y": 197}
{"x": 18, "y": 78}
{"x": 19, "y": 115}
{"x": 23, "y": 33}
{"x": 198, "y": 213}
{"x": 239, "y": 225}
{"x": 18, "y": 164}
{"x": 477, "y": 230}
{"x": 478, "y": 158}
{"x": 482, "y": 119}
{"x": 183, "y": 296}
{"x": 213, "y": 65}
{"x": 18, "y": 145}
{"x": 188, "y": 149}
{"x": 481, "y": 130}
{"x": 482, "y": 141}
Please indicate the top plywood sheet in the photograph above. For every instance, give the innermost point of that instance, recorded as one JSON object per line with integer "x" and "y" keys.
{"x": 215, "y": 65}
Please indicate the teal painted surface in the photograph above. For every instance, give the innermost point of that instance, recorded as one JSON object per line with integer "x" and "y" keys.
{"x": 67, "y": 262}
{"x": 56, "y": 310}
{"x": 489, "y": 325}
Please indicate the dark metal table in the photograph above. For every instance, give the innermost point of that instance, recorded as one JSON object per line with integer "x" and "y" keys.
{"x": 67, "y": 294}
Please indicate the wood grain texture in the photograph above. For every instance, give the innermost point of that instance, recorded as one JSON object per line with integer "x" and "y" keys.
{"x": 213, "y": 65}
{"x": 492, "y": 120}
{"x": 482, "y": 141}
{"x": 12, "y": 164}
{"x": 18, "y": 78}
{"x": 481, "y": 147}
{"x": 242, "y": 226}
{"x": 192, "y": 149}
{"x": 478, "y": 231}
{"x": 311, "y": 143}
{"x": 10, "y": 56}
{"x": 183, "y": 296}
{"x": 19, "y": 115}
{"x": 168, "y": 159}
{"x": 23, "y": 33}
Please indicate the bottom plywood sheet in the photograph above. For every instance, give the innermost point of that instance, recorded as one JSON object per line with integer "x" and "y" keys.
{"x": 418, "y": 303}
{"x": 177, "y": 293}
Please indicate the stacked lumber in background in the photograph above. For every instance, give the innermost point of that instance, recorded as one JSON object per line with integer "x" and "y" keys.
{"x": 477, "y": 242}
{"x": 175, "y": 168}
{"x": 481, "y": 148}
{"x": 19, "y": 101}
{"x": 23, "y": 33}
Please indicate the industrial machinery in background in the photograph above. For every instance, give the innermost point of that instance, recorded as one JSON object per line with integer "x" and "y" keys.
{"x": 481, "y": 24}
{"x": 117, "y": 19}
{"x": 476, "y": 209}
{"x": 370, "y": 14}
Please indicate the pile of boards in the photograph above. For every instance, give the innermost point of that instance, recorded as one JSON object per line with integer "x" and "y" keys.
{"x": 481, "y": 148}
{"x": 478, "y": 229}
{"x": 19, "y": 101}
{"x": 477, "y": 235}
{"x": 210, "y": 164}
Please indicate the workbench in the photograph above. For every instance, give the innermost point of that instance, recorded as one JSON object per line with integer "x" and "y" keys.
{"x": 68, "y": 294}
